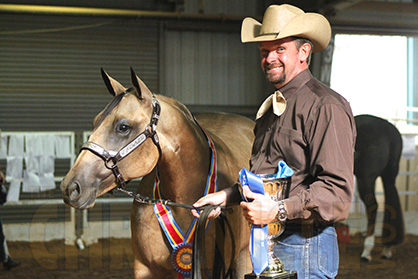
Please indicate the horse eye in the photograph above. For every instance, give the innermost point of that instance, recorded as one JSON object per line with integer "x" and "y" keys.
{"x": 123, "y": 128}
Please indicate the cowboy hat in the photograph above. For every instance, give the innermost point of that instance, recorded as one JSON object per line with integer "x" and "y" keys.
{"x": 281, "y": 21}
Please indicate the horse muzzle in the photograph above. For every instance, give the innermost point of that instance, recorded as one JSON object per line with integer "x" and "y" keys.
{"x": 73, "y": 195}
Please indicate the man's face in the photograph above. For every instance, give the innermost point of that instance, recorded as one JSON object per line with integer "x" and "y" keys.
{"x": 280, "y": 61}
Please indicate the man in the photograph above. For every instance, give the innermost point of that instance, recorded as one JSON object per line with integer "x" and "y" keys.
{"x": 312, "y": 129}
{"x": 8, "y": 262}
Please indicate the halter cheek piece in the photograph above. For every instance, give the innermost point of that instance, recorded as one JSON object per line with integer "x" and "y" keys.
{"x": 111, "y": 156}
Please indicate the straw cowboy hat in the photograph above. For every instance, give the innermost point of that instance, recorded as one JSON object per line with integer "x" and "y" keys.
{"x": 281, "y": 21}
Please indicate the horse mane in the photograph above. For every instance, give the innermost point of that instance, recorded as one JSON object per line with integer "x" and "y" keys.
{"x": 180, "y": 106}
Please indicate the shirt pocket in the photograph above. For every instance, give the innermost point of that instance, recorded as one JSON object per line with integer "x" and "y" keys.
{"x": 291, "y": 146}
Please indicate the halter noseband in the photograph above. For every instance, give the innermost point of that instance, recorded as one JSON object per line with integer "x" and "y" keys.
{"x": 115, "y": 156}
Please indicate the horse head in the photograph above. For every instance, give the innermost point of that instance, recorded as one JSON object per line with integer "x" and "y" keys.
{"x": 123, "y": 145}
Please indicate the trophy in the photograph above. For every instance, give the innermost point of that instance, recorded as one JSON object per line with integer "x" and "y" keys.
{"x": 278, "y": 189}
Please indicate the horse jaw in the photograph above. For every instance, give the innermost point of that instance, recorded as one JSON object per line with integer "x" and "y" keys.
{"x": 85, "y": 181}
{"x": 140, "y": 162}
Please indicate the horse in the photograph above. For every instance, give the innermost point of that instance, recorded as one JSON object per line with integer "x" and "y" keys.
{"x": 174, "y": 155}
{"x": 378, "y": 151}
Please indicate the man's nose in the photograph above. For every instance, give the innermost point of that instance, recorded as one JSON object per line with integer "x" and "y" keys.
{"x": 271, "y": 57}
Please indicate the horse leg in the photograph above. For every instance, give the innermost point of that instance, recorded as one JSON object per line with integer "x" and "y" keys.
{"x": 141, "y": 271}
{"x": 243, "y": 264}
{"x": 387, "y": 252}
{"x": 368, "y": 246}
{"x": 366, "y": 188}
{"x": 393, "y": 225}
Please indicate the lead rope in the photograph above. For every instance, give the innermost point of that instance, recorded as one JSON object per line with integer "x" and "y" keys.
{"x": 146, "y": 200}
{"x": 199, "y": 241}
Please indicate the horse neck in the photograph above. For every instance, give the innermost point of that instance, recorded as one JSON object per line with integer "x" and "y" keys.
{"x": 185, "y": 160}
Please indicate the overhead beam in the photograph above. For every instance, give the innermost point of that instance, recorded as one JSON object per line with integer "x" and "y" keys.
{"x": 85, "y": 11}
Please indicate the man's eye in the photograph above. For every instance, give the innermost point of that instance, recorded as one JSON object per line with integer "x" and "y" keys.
{"x": 279, "y": 49}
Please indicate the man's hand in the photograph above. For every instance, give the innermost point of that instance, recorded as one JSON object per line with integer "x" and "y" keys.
{"x": 218, "y": 198}
{"x": 261, "y": 211}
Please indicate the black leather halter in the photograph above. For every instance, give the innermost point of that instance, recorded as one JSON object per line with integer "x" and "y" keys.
{"x": 111, "y": 156}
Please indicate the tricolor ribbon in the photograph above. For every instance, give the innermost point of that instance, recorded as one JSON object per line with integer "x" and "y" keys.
{"x": 177, "y": 239}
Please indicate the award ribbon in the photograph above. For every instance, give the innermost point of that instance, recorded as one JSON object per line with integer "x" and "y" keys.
{"x": 181, "y": 256}
{"x": 258, "y": 237}
{"x": 259, "y": 233}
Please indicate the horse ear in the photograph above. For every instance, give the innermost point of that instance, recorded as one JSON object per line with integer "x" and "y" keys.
{"x": 114, "y": 87}
{"x": 139, "y": 85}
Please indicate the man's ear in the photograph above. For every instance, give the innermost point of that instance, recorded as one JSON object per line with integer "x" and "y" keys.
{"x": 304, "y": 52}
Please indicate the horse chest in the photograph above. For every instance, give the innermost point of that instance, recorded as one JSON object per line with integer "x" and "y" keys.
{"x": 150, "y": 237}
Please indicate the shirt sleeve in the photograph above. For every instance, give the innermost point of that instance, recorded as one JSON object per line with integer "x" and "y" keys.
{"x": 330, "y": 134}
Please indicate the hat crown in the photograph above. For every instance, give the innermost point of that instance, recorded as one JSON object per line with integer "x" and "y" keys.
{"x": 276, "y": 18}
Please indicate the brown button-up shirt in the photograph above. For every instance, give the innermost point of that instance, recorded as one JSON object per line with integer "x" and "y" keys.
{"x": 315, "y": 136}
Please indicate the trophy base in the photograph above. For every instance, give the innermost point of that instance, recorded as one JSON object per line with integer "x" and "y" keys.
{"x": 284, "y": 275}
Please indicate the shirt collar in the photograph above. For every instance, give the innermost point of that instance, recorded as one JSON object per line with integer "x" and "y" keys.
{"x": 277, "y": 100}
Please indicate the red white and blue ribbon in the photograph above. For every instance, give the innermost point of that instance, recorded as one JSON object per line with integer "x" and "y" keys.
{"x": 181, "y": 256}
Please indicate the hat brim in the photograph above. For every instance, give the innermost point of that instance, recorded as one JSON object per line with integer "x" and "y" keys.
{"x": 312, "y": 26}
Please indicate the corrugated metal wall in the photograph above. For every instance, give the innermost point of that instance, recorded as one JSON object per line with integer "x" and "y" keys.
{"x": 207, "y": 65}
{"x": 50, "y": 67}
{"x": 208, "y": 68}
{"x": 50, "y": 79}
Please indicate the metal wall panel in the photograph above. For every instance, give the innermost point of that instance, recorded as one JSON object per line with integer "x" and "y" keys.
{"x": 205, "y": 65}
{"x": 50, "y": 67}
{"x": 213, "y": 69}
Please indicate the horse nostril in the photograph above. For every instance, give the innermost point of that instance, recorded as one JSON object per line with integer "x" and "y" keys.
{"x": 73, "y": 191}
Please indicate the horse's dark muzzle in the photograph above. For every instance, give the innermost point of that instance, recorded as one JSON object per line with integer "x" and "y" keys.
{"x": 71, "y": 194}
{"x": 73, "y": 191}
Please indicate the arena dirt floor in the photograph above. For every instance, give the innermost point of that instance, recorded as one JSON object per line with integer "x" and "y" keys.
{"x": 112, "y": 258}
